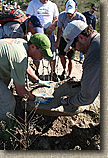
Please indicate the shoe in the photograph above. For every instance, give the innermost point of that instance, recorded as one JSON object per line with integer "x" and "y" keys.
{"x": 68, "y": 77}
{"x": 62, "y": 77}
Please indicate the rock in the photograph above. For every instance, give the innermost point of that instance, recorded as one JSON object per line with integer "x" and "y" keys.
{"x": 57, "y": 90}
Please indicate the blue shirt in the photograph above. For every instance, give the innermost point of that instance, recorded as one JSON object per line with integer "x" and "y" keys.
{"x": 91, "y": 19}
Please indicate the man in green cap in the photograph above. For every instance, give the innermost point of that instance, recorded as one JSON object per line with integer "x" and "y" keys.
{"x": 14, "y": 65}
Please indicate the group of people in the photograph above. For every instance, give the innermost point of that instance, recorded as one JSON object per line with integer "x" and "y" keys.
{"x": 75, "y": 31}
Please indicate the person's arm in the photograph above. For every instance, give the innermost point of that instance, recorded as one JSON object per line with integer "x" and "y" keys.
{"x": 36, "y": 79}
{"x": 55, "y": 13}
{"x": 90, "y": 86}
{"x": 55, "y": 20}
{"x": 22, "y": 91}
{"x": 94, "y": 23}
{"x": 30, "y": 9}
{"x": 90, "y": 82}
{"x": 32, "y": 73}
{"x": 51, "y": 27}
{"x": 59, "y": 32}
{"x": 39, "y": 98}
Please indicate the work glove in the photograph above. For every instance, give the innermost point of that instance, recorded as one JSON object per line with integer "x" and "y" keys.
{"x": 65, "y": 102}
{"x": 44, "y": 83}
{"x": 41, "y": 98}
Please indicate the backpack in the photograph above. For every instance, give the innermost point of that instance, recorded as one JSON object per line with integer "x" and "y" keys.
{"x": 14, "y": 15}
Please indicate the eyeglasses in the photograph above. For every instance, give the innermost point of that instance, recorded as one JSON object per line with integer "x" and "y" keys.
{"x": 74, "y": 42}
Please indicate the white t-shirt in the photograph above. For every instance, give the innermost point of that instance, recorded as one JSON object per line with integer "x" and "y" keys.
{"x": 45, "y": 12}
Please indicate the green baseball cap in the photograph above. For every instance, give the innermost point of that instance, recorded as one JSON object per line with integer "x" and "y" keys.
{"x": 43, "y": 42}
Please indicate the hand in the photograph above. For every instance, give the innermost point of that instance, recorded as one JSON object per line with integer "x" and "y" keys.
{"x": 51, "y": 28}
{"x": 45, "y": 83}
{"x": 40, "y": 98}
{"x": 68, "y": 49}
{"x": 64, "y": 100}
{"x": 56, "y": 44}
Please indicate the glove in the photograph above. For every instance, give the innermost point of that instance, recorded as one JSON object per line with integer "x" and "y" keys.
{"x": 40, "y": 98}
{"x": 44, "y": 83}
{"x": 64, "y": 100}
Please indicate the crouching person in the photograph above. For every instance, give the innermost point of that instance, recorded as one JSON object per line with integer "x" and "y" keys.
{"x": 84, "y": 38}
{"x": 14, "y": 55}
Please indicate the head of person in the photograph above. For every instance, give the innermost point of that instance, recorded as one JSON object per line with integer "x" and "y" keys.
{"x": 39, "y": 46}
{"x": 44, "y": 1}
{"x": 34, "y": 25}
{"x": 94, "y": 8}
{"x": 77, "y": 35}
{"x": 70, "y": 8}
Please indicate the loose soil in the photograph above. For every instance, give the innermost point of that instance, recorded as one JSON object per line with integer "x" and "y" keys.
{"x": 78, "y": 132}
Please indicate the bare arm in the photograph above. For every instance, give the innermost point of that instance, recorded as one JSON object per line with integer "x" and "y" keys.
{"x": 22, "y": 91}
{"x": 51, "y": 27}
{"x": 59, "y": 32}
{"x": 55, "y": 20}
{"x": 32, "y": 73}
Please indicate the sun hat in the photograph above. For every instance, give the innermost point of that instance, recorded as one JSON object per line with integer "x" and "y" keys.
{"x": 72, "y": 30}
{"x": 36, "y": 24}
{"x": 43, "y": 42}
{"x": 70, "y": 6}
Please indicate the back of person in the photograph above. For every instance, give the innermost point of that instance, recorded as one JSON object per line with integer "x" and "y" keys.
{"x": 11, "y": 30}
{"x": 11, "y": 24}
{"x": 15, "y": 29}
{"x": 13, "y": 60}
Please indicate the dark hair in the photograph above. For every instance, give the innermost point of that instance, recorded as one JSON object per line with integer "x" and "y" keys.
{"x": 88, "y": 30}
{"x": 29, "y": 43}
{"x": 94, "y": 5}
{"x": 74, "y": 1}
{"x": 35, "y": 21}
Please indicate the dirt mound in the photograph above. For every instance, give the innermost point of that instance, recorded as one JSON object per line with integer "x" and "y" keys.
{"x": 79, "y": 131}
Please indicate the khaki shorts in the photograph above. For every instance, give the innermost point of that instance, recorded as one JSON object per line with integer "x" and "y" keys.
{"x": 7, "y": 101}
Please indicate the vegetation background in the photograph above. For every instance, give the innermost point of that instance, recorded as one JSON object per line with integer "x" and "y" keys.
{"x": 83, "y": 5}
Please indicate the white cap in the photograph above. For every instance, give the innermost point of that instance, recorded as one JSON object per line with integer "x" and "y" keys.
{"x": 70, "y": 7}
{"x": 72, "y": 30}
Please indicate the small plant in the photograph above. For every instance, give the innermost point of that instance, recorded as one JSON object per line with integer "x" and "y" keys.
{"x": 23, "y": 133}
